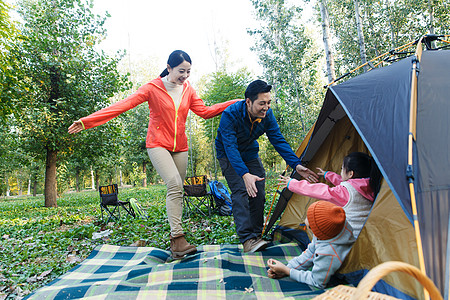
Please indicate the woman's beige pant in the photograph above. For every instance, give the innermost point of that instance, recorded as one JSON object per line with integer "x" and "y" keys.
{"x": 171, "y": 166}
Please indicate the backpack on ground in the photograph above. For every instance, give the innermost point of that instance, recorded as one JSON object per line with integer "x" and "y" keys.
{"x": 222, "y": 198}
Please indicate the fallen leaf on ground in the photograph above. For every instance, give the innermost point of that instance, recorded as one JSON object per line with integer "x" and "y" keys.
{"x": 73, "y": 259}
{"x": 43, "y": 274}
{"x": 97, "y": 235}
{"x": 139, "y": 243}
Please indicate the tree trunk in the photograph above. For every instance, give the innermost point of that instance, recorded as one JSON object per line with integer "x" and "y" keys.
{"x": 19, "y": 187}
{"x": 92, "y": 179}
{"x": 50, "y": 179}
{"x": 391, "y": 27}
{"x": 77, "y": 180}
{"x": 8, "y": 190}
{"x": 431, "y": 12}
{"x": 144, "y": 170}
{"x": 97, "y": 180}
{"x": 121, "y": 179}
{"x": 359, "y": 29}
{"x": 326, "y": 41}
{"x": 34, "y": 185}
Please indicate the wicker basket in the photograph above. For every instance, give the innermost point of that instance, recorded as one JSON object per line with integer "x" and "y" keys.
{"x": 367, "y": 283}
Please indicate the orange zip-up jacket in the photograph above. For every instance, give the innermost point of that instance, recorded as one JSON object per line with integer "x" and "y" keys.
{"x": 167, "y": 124}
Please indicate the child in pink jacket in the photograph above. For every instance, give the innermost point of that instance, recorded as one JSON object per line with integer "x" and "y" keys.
{"x": 354, "y": 190}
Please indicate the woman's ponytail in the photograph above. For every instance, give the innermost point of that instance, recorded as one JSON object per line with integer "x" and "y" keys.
{"x": 164, "y": 73}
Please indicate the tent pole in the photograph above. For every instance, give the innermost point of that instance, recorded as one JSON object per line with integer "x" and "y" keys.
{"x": 409, "y": 171}
{"x": 447, "y": 272}
{"x": 299, "y": 152}
{"x": 401, "y": 48}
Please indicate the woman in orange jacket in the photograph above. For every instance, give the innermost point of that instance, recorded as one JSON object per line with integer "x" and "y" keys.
{"x": 169, "y": 98}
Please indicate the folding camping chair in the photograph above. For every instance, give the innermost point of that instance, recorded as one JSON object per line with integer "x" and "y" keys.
{"x": 196, "y": 197}
{"x": 110, "y": 203}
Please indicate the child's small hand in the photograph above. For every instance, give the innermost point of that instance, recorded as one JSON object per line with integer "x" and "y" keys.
{"x": 321, "y": 172}
{"x": 277, "y": 269}
{"x": 283, "y": 181}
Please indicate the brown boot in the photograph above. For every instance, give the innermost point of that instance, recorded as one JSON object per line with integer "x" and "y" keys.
{"x": 180, "y": 247}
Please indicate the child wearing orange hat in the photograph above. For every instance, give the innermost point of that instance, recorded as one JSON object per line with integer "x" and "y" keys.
{"x": 332, "y": 241}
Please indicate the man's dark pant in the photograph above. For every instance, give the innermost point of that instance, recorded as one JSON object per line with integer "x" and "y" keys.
{"x": 248, "y": 212}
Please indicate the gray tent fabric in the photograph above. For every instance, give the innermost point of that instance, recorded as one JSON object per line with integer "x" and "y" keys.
{"x": 378, "y": 105}
{"x": 433, "y": 162}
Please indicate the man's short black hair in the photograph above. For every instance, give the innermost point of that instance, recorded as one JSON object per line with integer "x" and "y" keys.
{"x": 256, "y": 87}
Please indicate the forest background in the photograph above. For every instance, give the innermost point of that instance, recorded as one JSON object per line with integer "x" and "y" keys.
{"x": 52, "y": 73}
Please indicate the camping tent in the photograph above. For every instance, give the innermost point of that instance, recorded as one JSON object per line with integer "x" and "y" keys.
{"x": 410, "y": 218}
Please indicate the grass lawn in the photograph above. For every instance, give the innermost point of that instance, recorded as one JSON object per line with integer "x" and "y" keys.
{"x": 39, "y": 244}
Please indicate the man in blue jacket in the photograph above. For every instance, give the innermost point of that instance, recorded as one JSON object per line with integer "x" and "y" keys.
{"x": 241, "y": 124}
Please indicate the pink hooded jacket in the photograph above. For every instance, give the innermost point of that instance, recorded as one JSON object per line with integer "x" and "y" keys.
{"x": 338, "y": 194}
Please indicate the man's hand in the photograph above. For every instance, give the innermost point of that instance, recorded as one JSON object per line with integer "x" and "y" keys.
{"x": 250, "y": 185}
{"x": 75, "y": 127}
{"x": 306, "y": 173}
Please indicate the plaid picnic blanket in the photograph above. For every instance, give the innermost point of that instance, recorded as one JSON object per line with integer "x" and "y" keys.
{"x": 215, "y": 271}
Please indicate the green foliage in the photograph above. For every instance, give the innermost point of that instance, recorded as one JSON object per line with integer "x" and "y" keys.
{"x": 8, "y": 80}
{"x": 135, "y": 124}
{"x": 290, "y": 60}
{"x": 39, "y": 244}
{"x": 64, "y": 78}
{"x": 133, "y": 143}
{"x": 387, "y": 25}
{"x": 68, "y": 78}
{"x": 217, "y": 87}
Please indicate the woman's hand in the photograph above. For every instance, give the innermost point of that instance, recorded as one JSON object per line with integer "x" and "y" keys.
{"x": 76, "y": 127}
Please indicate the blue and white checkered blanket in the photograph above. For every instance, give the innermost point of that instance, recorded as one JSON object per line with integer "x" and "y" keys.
{"x": 215, "y": 271}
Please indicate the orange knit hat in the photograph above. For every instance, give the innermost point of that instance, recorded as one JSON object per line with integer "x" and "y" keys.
{"x": 326, "y": 219}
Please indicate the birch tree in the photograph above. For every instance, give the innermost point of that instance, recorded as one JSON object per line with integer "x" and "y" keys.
{"x": 291, "y": 64}
{"x": 326, "y": 41}
{"x": 360, "y": 32}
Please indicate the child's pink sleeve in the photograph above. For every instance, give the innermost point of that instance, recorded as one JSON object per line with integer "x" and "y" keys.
{"x": 337, "y": 195}
{"x": 333, "y": 178}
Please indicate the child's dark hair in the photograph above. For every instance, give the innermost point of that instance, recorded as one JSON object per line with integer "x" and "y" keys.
{"x": 175, "y": 59}
{"x": 363, "y": 166}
